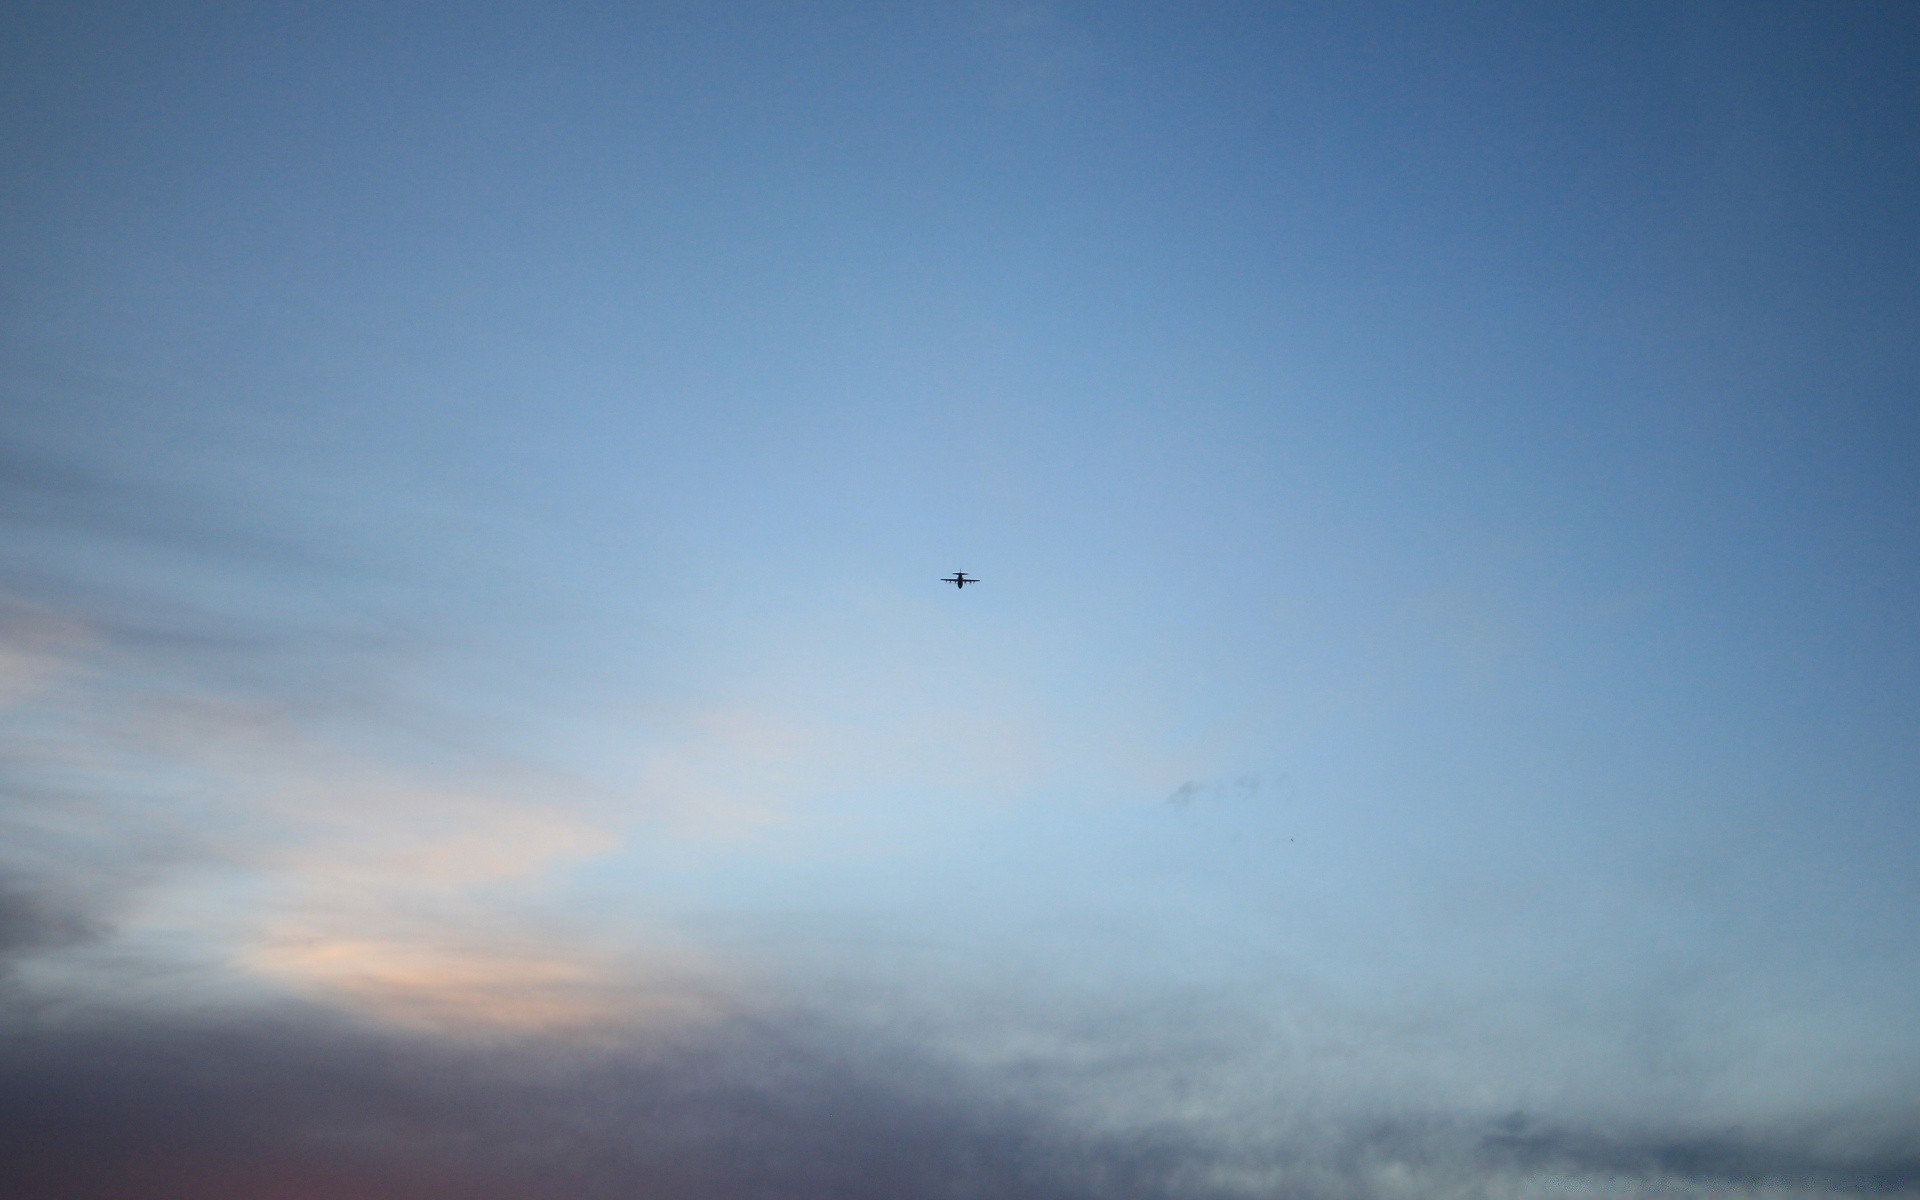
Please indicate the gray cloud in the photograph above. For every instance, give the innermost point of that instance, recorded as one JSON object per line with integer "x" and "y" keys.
{"x": 755, "y": 1110}
{"x": 69, "y": 525}
{"x": 1871, "y": 1156}
{"x": 1279, "y": 789}
{"x": 46, "y": 492}
{"x": 790, "y": 1103}
{"x": 32, "y": 920}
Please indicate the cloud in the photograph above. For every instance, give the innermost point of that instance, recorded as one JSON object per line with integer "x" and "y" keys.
{"x": 1867, "y": 1156}
{"x": 236, "y": 782}
{"x": 1243, "y": 787}
{"x": 214, "y": 828}
{"x": 32, "y": 920}
{"x": 485, "y": 984}
{"x": 252, "y": 1106}
{"x": 86, "y": 508}
{"x": 786, "y": 1102}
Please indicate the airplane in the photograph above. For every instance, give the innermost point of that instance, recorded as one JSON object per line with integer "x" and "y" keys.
{"x": 959, "y": 579}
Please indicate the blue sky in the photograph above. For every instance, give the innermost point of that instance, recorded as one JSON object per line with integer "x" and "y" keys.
{"x": 1438, "y": 720}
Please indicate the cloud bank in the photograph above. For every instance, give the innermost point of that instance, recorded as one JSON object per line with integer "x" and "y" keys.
{"x": 301, "y": 1102}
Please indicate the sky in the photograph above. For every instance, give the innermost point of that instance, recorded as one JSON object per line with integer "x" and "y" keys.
{"x": 480, "y": 717}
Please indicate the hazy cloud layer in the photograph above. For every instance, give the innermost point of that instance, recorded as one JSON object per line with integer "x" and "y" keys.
{"x": 295, "y": 1102}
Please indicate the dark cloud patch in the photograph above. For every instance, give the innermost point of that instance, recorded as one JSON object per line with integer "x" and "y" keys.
{"x": 1184, "y": 794}
{"x": 278, "y": 1106}
{"x": 1279, "y": 789}
{"x": 300, "y": 1103}
{"x": 32, "y": 921}
{"x": 1847, "y": 1157}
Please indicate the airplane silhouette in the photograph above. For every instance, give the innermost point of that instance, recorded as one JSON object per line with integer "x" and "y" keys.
{"x": 959, "y": 579}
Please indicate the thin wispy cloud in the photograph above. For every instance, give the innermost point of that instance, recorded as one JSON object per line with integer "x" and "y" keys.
{"x": 166, "y": 756}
